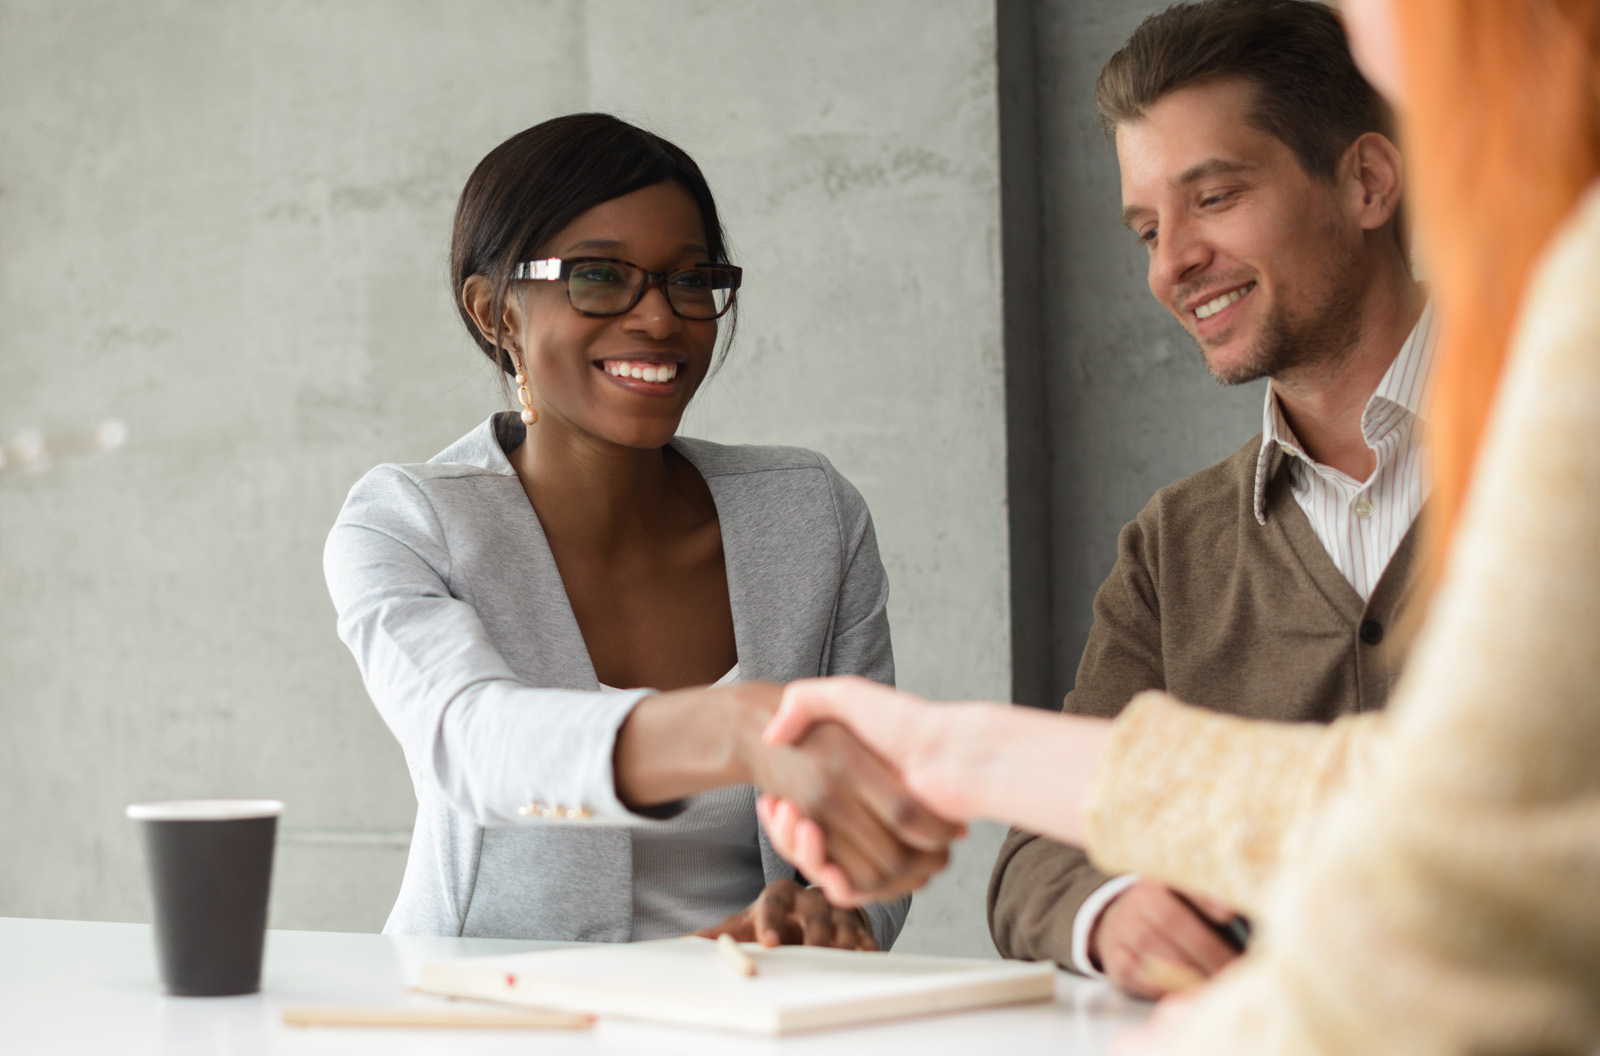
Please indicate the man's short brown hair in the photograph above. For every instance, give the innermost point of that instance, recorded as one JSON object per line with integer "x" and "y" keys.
{"x": 1308, "y": 92}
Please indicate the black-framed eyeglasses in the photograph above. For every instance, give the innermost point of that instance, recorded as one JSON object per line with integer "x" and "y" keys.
{"x": 602, "y": 286}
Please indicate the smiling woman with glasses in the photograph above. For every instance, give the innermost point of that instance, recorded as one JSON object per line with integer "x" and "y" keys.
{"x": 575, "y": 621}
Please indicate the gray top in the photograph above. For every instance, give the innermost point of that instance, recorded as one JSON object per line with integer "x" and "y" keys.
{"x": 449, "y": 598}
{"x": 704, "y": 864}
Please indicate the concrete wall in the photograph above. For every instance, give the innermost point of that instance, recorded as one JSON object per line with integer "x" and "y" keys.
{"x": 227, "y": 223}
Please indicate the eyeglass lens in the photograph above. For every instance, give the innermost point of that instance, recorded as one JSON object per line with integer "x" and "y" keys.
{"x": 605, "y": 287}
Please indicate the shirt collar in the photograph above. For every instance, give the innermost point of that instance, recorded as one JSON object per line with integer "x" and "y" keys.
{"x": 1409, "y": 379}
{"x": 1405, "y": 385}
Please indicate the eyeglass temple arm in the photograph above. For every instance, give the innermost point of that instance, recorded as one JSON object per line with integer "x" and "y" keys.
{"x": 549, "y": 268}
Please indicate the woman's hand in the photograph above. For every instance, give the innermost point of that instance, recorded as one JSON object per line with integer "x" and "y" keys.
{"x": 879, "y": 837}
{"x": 786, "y": 914}
{"x": 799, "y": 841}
{"x": 896, "y": 726}
{"x": 1020, "y": 766}
{"x": 916, "y": 739}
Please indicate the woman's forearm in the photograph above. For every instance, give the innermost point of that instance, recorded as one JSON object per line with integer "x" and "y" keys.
{"x": 678, "y": 744}
{"x": 1022, "y": 766}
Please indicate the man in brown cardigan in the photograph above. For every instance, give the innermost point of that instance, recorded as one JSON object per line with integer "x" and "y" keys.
{"x": 1258, "y": 171}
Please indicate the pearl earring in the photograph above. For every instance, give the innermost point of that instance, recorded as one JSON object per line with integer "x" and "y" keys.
{"x": 529, "y": 415}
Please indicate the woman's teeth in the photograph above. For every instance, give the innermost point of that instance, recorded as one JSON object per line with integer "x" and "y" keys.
{"x": 643, "y": 371}
{"x": 1216, "y": 304}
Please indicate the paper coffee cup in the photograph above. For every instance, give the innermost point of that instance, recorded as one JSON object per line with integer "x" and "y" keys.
{"x": 209, "y": 863}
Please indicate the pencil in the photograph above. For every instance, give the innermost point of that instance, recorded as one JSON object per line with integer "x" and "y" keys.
{"x": 1169, "y": 975}
{"x": 418, "y": 1016}
{"x": 735, "y": 957}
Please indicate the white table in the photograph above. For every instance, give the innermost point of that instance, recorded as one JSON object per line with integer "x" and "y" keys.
{"x": 80, "y": 987}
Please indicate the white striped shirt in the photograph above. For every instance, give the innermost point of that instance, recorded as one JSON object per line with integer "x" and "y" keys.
{"x": 1361, "y": 523}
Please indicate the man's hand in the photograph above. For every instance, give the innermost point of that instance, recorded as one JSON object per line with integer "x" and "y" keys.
{"x": 786, "y": 914}
{"x": 1152, "y": 940}
{"x": 876, "y": 833}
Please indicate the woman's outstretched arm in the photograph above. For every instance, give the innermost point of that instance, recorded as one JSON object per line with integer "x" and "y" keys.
{"x": 1181, "y": 794}
{"x": 504, "y": 752}
{"x": 972, "y": 760}
{"x": 961, "y": 761}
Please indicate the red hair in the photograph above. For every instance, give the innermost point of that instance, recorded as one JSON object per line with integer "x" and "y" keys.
{"x": 1502, "y": 134}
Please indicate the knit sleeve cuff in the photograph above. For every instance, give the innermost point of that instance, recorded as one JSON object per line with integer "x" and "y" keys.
{"x": 1206, "y": 801}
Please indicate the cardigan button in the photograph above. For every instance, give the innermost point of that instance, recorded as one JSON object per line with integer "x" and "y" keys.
{"x": 1371, "y": 632}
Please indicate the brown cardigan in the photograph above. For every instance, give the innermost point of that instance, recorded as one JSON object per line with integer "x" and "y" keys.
{"x": 1223, "y": 612}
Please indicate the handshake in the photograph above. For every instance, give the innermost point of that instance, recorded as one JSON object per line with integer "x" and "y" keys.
{"x": 861, "y": 788}
{"x": 866, "y": 786}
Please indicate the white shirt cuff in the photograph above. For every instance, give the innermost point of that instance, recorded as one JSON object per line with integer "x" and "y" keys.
{"x": 1088, "y": 914}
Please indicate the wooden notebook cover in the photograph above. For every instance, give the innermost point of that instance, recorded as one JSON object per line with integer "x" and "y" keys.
{"x": 684, "y": 981}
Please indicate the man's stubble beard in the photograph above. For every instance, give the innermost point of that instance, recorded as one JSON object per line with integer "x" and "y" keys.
{"x": 1321, "y": 341}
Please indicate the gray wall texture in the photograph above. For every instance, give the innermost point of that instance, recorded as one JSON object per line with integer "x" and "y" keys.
{"x": 226, "y": 224}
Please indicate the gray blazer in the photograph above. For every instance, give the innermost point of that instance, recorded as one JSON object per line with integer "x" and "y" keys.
{"x": 449, "y": 598}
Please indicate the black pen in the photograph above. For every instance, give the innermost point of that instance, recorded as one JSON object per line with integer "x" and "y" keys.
{"x": 1235, "y": 931}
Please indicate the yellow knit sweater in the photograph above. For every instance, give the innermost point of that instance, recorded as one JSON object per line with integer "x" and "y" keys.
{"x": 1425, "y": 880}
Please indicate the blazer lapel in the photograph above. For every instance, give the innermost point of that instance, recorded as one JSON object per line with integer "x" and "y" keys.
{"x": 552, "y": 644}
{"x": 752, "y": 550}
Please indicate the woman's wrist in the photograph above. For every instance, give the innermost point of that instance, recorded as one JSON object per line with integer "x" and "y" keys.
{"x": 1032, "y": 769}
{"x": 746, "y": 709}
{"x": 687, "y": 741}
{"x": 963, "y": 756}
